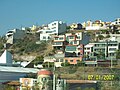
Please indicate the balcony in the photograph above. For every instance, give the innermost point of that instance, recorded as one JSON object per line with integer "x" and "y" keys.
{"x": 57, "y": 44}
{"x": 59, "y": 38}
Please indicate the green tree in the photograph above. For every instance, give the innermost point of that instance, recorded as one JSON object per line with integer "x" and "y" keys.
{"x": 38, "y": 60}
{"x": 100, "y": 37}
{"x": 105, "y": 31}
{"x": 86, "y": 88}
{"x": 1, "y": 46}
{"x": 65, "y": 64}
{"x": 118, "y": 54}
{"x": 100, "y": 55}
{"x": 68, "y": 27}
{"x": 80, "y": 63}
{"x": 92, "y": 88}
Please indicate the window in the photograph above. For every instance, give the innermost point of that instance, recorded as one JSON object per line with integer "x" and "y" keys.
{"x": 56, "y": 38}
{"x": 53, "y": 27}
{"x": 61, "y": 60}
{"x": 53, "y": 24}
{"x": 81, "y": 48}
{"x": 70, "y": 48}
{"x": 88, "y": 48}
{"x": 71, "y": 37}
{"x": 112, "y": 54}
{"x": 112, "y": 44}
{"x": 44, "y": 37}
{"x": 78, "y": 37}
{"x": 48, "y": 37}
{"x": 61, "y": 38}
{"x": 49, "y": 31}
{"x": 54, "y": 30}
{"x": 97, "y": 45}
{"x": 66, "y": 60}
{"x": 112, "y": 49}
{"x": 57, "y": 43}
{"x": 75, "y": 42}
{"x": 44, "y": 79}
{"x": 57, "y": 60}
{"x": 71, "y": 60}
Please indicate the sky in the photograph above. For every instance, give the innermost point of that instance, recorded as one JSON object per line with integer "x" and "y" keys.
{"x": 25, "y": 13}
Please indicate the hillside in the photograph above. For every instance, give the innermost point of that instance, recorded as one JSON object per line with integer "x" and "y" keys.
{"x": 27, "y": 47}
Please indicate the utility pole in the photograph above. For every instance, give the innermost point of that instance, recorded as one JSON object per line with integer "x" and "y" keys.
{"x": 54, "y": 78}
{"x": 111, "y": 62}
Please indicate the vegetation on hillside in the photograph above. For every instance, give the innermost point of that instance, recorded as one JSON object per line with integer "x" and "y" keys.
{"x": 28, "y": 46}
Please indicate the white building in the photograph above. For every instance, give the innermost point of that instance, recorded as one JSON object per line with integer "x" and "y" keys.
{"x": 56, "y": 27}
{"x": 96, "y": 25}
{"x": 108, "y": 49}
{"x": 45, "y": 36}
{"x": 11, "y": 35}
{"x": 113, "y": 37}
{"x": 88, "y": 49}
{"x": 116, "y": 22}
{"x": 6, "y": 58}
{"x": 95, "y": 28}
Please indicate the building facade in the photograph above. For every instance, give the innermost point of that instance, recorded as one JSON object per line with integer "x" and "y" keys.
{"x": 72, "y": 60}
{"x": 102, "y": 50}
{"x": 14, "y": 34}
{"x": 96, "y": 25}
{"x": 54, "y": 28}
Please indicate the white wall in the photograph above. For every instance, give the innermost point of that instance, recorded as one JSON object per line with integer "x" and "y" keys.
{"x": 59, "y": 26}
{"x": 6, "y": 58}
{"x": 55, "y": 27}
{"x": 47, "y": 37}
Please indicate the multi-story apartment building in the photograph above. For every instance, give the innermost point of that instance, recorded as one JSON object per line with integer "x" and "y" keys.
{"x": 54, "y": 28}
{"x": 70, "y": 44}
{"x": 88, "y": 49}
{"x": 104, "y": 49}
{"x": 59, "y": 42}
{"x": 74, "y": 38}
{"x": 14, "y": 34}
{"x": 77, "y": 51}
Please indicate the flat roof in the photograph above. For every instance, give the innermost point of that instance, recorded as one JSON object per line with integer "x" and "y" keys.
{"x": 18, "y": 69}
{"x": 89, "y": 45}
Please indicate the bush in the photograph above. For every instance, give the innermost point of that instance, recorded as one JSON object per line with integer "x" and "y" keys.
{"x": 65, "y": 64}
